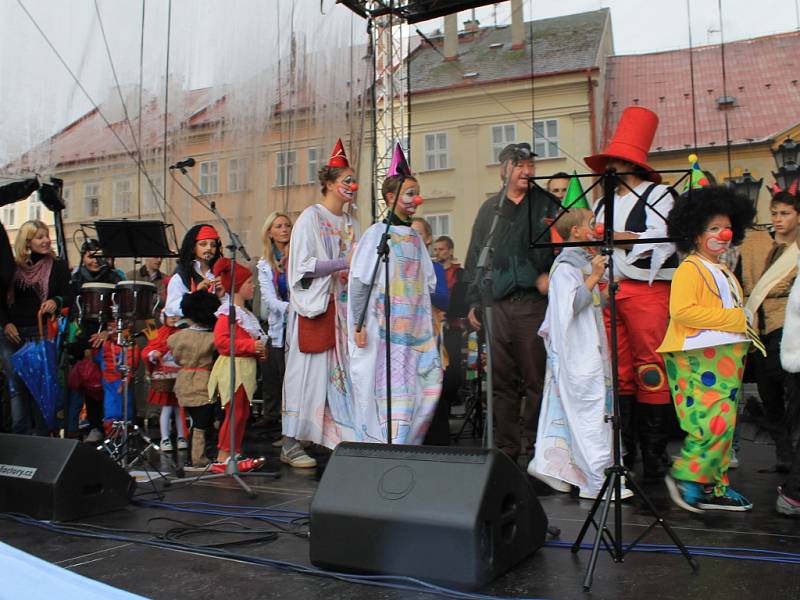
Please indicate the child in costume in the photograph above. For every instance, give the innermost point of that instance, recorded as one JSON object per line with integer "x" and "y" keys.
{"x": 193, "y": 349}
{"x": 573, "y": 442}
{"x": 250, "y": 346}
{"x": 416, "y": 367}
{"x": 162, "y": 371}
{"x": 317, "y": 396}
{"x": 110, "y": 358}
{"x": 705, "y": 346}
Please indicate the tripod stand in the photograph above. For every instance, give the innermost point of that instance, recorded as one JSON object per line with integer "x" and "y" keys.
{"x": 118, "y": 239}
{"x": 617, "y": 473}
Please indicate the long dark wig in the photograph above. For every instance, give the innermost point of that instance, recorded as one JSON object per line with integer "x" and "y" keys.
{"x": 185, "y": 264}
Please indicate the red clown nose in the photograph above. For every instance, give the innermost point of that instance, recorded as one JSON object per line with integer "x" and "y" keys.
{"x": 726, "y": 235}
{"x": 600, "y": 230}
{"x": 418, "y": 200}
{"x": 353, "y": 187}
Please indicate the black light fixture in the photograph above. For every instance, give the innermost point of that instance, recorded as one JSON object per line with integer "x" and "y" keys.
{"x": 747, "y": 185}
{"x": 411, "y": 11}
{"x": 787, "y": 156}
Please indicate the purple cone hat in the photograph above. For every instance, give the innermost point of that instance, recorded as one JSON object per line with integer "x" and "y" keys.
{"x": 399, "y": 164}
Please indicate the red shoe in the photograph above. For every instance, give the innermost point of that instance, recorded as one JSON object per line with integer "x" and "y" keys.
{"x": 218, "y": 467}
{"x": 250, "y": 464}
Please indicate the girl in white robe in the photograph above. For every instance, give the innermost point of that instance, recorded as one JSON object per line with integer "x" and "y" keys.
{"x": 416, "y": 367}
{"x": 317, "y": 396}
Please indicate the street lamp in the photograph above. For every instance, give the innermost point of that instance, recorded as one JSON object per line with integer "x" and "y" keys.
{"x": 747, "y": 185}
{"x": 787, "y": 156}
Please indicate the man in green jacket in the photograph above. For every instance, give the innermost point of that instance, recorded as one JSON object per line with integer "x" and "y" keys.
{"x": 517, "y": 290}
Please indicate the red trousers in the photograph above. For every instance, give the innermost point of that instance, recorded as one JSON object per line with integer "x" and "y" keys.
{"x": 242, "y": 414}
{"x": 642, "y": 315}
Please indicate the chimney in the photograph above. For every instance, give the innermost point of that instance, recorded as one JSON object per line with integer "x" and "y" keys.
{"x": 451, "y": 37}
{"x": 517, "y": 25}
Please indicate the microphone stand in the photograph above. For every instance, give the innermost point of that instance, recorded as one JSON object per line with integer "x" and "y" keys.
{"x": 484, "y": 279}
{"x": 382, "y": 254}
{"x": 235, "y": 245}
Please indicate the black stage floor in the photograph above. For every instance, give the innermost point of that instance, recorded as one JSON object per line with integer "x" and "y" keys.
{"x": 550, "y": 573}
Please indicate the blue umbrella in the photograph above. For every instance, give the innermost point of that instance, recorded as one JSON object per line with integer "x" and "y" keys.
{"x": 35, "y": 363}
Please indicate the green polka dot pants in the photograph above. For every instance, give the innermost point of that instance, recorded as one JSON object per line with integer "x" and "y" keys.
{"x": 706, "y": 384}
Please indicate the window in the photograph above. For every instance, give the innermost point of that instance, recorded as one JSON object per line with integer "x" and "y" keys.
{"x": 284, "y": 168}
{"x": 435, "y": 151}
{"x": 121, "y": 200}
{"x": 209, "y": 177}
{"x": 66, "y": 196}
{"x": 237, "y": 175}
{"x": 91, "y": 199}
{"x": 440, "y": 224}
{"x": 9, "y": 215}
{"x": 34, "y": 208}
{"x": 502, "y": 136}
{"x": 152, "y": 197}
{"x": 314, "y": 155}
{"x": 545, "y": 137}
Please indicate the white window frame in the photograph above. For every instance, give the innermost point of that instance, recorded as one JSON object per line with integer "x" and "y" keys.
{"x": 285, "y": 168}
{"x": 66, "y": 196}
{"x": 151, "y": 202}
{"x": 10, "y": 216}
{"x": 237, "y": 174}
{"x": 35, "y": 207}
{"x": 209, "y": 177}
{"x": 121, "y": 198}
{"x": 440, "y": 224}
{"x": 88, "y": 196}
{"x": 314, "y": 161}
{"x": 502, "y": 135}
{"x": 436, "y": 154}
{"x": 547, "y": 145}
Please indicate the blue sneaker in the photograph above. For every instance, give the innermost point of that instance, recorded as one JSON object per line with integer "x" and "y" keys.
{"x": 731, "y": 501}
{"x": 686, "y": 494}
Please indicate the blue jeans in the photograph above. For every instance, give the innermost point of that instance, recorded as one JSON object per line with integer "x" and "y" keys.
{"x": 26, "y": 418}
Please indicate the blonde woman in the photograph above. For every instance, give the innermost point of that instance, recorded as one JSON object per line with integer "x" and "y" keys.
{"x": 40, "y": 283}
{"x": 274, "y": 306}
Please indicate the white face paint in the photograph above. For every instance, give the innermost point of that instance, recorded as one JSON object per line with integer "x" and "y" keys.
{"x": 344, "y": 187}
{"x": 716, "y": 245}
{"x": 407, "y": 200}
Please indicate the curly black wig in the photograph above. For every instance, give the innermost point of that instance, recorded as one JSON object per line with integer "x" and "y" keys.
{"x": 185, "y": 263}
{"x": 692, "y": 212}
{"x": 200, "y": 307}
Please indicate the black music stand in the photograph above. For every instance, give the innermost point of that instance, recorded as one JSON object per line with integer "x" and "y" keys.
{"x": 612, "y": 486}
{"x": 124, "y": 238}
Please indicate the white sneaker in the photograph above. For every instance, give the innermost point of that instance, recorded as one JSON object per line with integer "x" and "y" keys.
{"x": 555, "y": 483}
{"x": 183, "y": 444}
{"x": 166, "y": 445}
{"x": 624, "y": 492}
{"x": 95, "y": 435}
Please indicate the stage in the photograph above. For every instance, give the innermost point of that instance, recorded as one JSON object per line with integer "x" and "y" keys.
{"x": 552, "y": 572}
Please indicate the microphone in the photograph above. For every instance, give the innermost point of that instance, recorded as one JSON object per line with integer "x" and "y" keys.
{"x": 182, "y": 164}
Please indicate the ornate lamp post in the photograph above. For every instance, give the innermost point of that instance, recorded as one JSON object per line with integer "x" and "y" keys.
{"x": 787, "y": 156}
{"x": 746, "y": 185}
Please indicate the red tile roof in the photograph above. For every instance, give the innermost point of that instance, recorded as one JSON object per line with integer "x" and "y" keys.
{"x": 763, "y": 74}
{"x": 89, "y": 138}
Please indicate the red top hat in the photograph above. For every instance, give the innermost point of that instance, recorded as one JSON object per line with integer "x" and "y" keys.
{"x": 631, "y": 142}
{"x": 338, "y": 157}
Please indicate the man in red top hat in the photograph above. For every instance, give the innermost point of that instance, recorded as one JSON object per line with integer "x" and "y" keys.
{"x": 644, "y": 272}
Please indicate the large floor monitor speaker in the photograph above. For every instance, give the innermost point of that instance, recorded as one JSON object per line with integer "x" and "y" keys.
{"x": 59, "y": 480}
{"x": 455, "y": 516}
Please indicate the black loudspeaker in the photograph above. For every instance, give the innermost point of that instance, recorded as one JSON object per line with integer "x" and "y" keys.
{"x": 59, "y": 480}
{"x": 455, "y": 516}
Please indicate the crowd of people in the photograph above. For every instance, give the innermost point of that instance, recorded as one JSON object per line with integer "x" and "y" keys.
{"x": 704, "y": 300}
